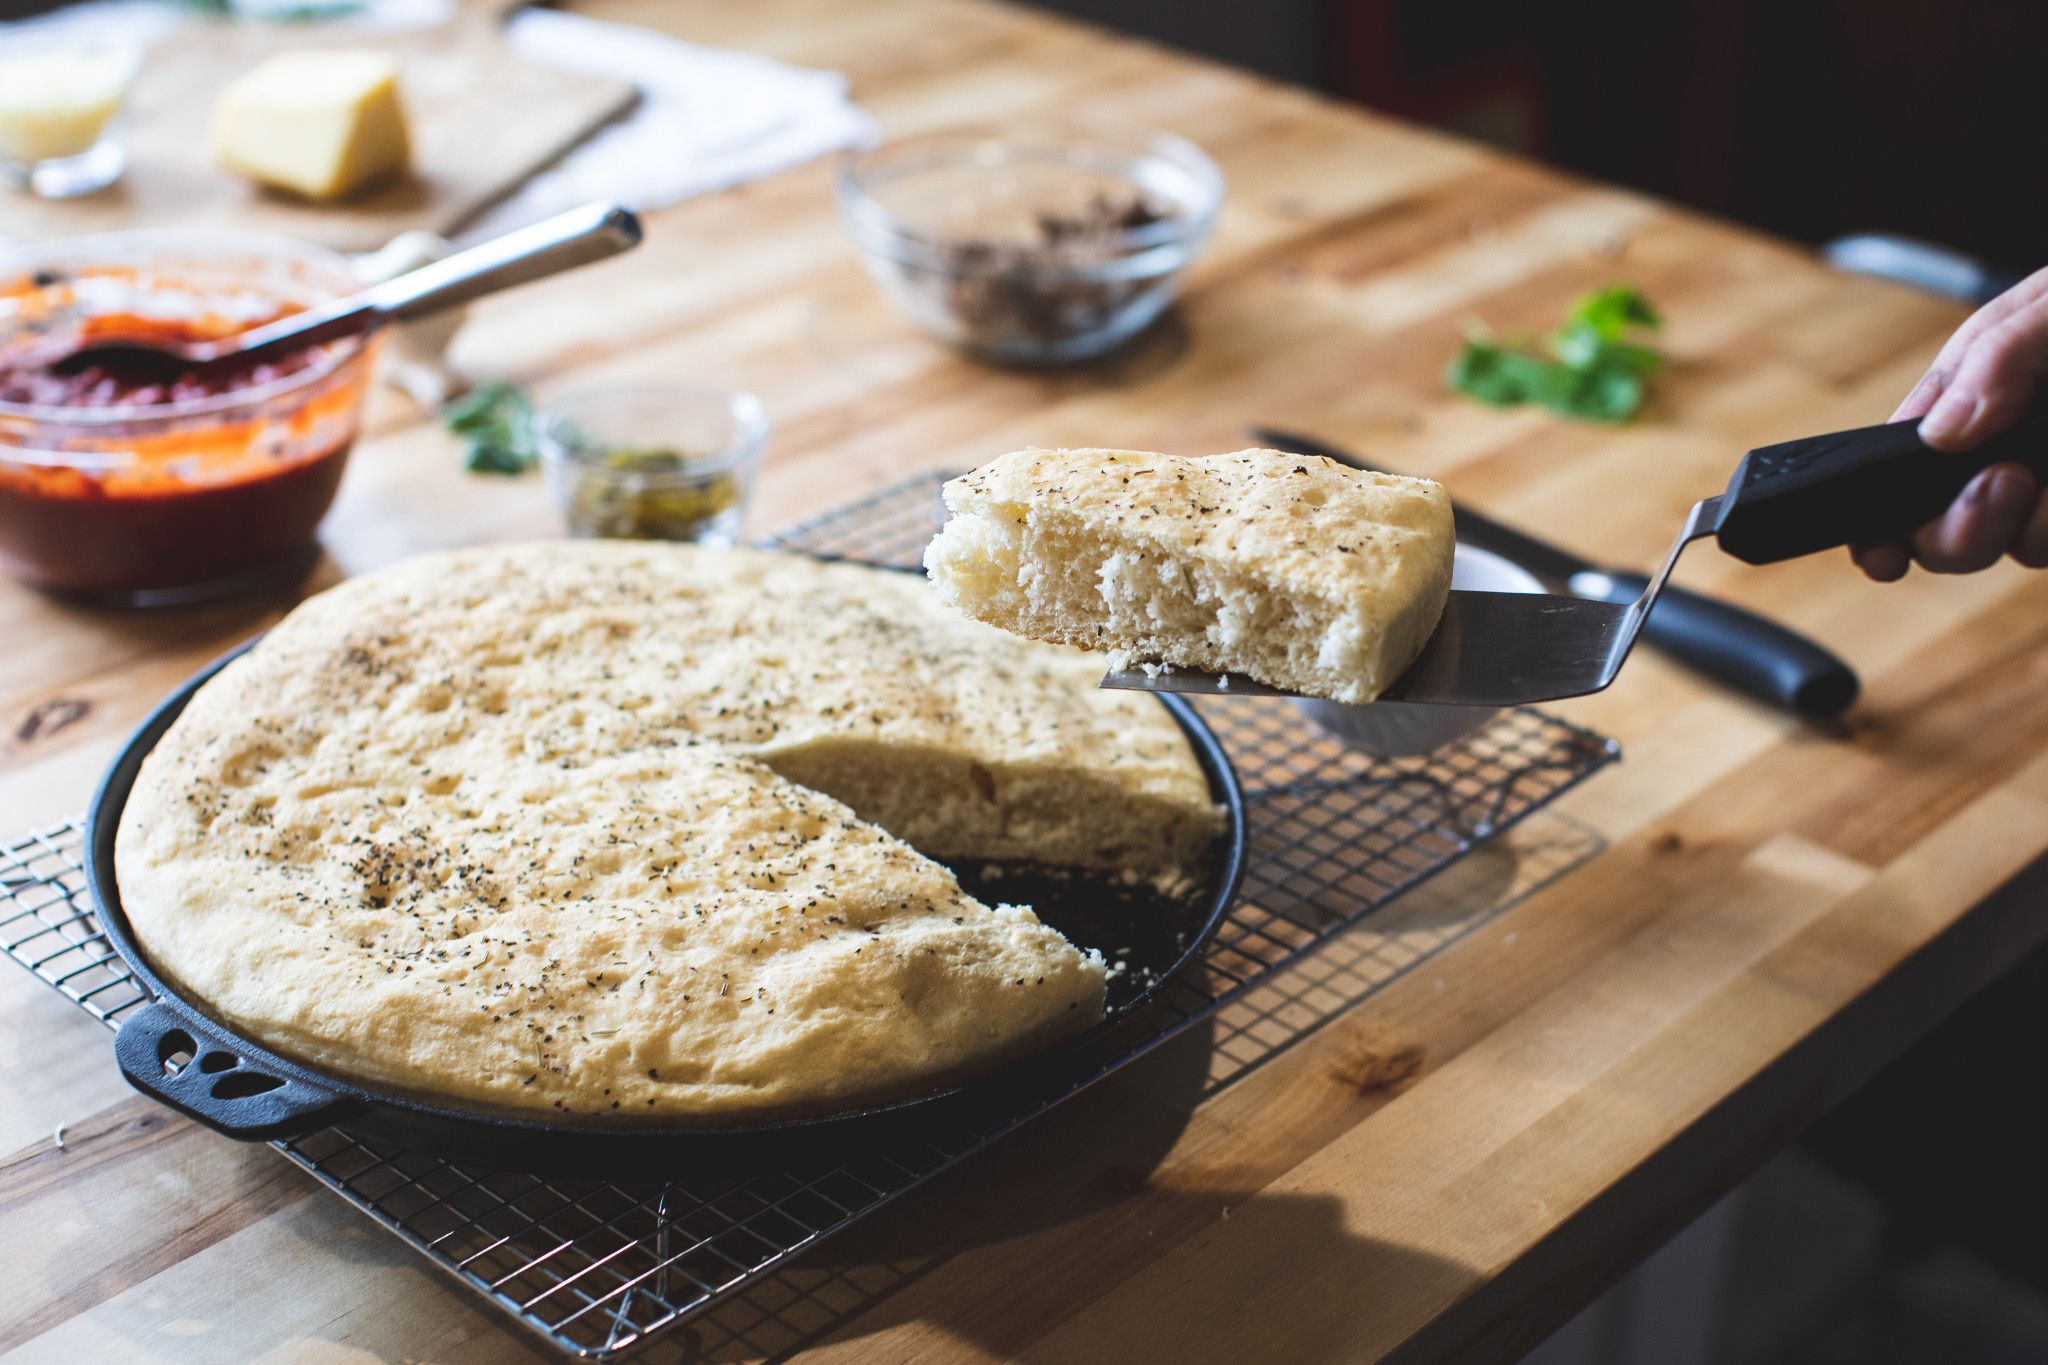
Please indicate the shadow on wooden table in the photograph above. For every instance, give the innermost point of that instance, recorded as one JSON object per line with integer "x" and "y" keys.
{"x": 1069, "y": 1196}
{"x": 1080, "y": 1194}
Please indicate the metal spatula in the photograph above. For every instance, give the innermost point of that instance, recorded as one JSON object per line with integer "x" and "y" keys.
{"x": 1817, "y": 493}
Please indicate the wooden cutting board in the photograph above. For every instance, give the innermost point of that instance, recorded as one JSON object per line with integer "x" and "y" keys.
{"x": 482, "y": 122}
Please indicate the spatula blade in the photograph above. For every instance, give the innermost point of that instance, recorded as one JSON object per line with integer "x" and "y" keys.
{"x": 1489, "y": 649}
{"x": 1191, "y": 682}
{"x": 1509, "y": 648}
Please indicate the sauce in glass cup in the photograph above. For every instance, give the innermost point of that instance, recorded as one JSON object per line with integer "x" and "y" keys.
{"x": 119, "y": 490}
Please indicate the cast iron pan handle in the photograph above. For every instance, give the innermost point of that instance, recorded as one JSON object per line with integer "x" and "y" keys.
{"x": 1873, "y": 483}
{"x": 215, "y": 1085}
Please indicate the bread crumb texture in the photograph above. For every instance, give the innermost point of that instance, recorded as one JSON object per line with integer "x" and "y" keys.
{"x": 1291, "y": 569}
{"x": 624, "y": 829}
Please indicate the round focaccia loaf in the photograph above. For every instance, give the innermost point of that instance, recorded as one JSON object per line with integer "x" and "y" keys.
{"x": 507, "y": 827}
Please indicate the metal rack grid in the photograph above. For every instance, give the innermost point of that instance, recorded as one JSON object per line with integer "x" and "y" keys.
{"x": 602, "y": 1268}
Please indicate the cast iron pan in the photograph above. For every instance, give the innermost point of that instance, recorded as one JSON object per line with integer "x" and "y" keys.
{"x": 237, "y": 1087}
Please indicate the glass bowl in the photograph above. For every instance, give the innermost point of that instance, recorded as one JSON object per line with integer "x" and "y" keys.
{"x": 653, "y": 462}
{"x": 1039, "y": 249}
{"x": 61, "y": 96}
{"x": 159, "y": 496}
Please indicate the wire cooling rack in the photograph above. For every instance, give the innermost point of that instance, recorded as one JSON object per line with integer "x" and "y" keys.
{"x": 604, "y": 1268}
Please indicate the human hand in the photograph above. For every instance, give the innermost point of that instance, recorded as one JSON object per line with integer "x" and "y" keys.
{"x": 1985, "y": 378}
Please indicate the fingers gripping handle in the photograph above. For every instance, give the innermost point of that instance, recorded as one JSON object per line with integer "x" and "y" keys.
{"x": 173, "y": 1060}
{"x": 1873, "y": 483}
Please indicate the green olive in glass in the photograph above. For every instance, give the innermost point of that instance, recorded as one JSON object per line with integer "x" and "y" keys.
{"x": 653, "y": 463}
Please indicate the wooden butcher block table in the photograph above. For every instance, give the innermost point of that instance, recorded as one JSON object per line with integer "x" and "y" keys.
{"x": 1764, "y": 914}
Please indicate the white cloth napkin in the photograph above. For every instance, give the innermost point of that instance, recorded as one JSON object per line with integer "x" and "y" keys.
{"x": 707, "y": 119}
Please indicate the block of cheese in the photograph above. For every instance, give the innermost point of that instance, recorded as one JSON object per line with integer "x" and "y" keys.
{"x": 1290, "y": 569}
{"x": 321, "y": 123}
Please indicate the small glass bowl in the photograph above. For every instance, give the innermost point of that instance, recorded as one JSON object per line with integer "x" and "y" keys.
{"x": 653, "y": 462}
{"x": 160, "y": 503}
{"x": 1035, "y": 249}
{"x": 61, "y": 95}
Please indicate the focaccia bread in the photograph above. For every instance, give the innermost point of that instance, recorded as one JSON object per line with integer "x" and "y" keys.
{"x": 611, "y": 828}
{"x": 1290, "y": 569}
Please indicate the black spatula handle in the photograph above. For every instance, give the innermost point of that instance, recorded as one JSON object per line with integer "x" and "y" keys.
{"x": 1873, "y": 483}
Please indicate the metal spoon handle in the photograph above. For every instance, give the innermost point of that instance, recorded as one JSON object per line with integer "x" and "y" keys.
{"x": 578, "y": 237}
{"x": 563, "y": 242}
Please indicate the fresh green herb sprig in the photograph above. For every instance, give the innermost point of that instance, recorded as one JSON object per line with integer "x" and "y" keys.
{"x": 1593, "y": 372}
{"x": 496, "y": 420}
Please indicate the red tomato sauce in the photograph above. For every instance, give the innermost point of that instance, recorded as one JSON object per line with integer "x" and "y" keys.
{"x": 170, "y": 503}
{"x": 31, "y": 380}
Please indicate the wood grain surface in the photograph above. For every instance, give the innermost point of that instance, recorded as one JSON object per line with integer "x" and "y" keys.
{"x": 482, "y": 121}
{"x": 1448, "y": 1170}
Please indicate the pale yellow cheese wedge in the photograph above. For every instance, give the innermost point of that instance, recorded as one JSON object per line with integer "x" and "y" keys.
{"x": 318, "y": 123}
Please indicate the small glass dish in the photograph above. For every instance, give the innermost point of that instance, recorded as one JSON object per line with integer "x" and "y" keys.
{"x": 61, "y": 94}
{"x": 653, "y": 462}
{"x": 184, "y": 490}
{"x": 1030, "y": 249}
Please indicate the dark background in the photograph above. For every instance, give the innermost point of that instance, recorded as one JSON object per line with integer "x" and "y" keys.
{"x": 1810, "y": 118}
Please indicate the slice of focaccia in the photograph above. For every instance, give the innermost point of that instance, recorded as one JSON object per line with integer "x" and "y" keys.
{"x": 1290, "y": 569}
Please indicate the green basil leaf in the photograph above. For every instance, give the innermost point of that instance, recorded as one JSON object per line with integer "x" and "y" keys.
{"x": 1551, "y": 385}
{"x": 1608, "y": 395}
{"x": 1579, "y": 345}
{"x": 497, "y": 420}
{"x": 1583, "y": 348}
{"x": 484, "y": 457}
{"x": 1613, "y": 310}
{"x": 1481, "y": 371}
{"x": 479, "y": 407}
{"x": 1595, "y": 375}
{"x": 1639, "y": 360}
